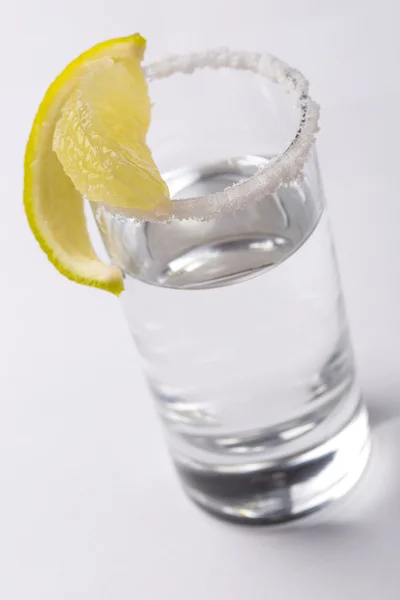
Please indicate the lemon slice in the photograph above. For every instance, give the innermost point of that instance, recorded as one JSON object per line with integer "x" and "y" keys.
{"x": 53, "y": 204}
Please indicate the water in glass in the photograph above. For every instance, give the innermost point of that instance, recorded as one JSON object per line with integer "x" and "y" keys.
{"x": 241, "y": 327}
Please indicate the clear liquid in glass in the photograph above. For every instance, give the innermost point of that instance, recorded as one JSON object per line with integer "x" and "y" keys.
{"x": 241, "y": 328}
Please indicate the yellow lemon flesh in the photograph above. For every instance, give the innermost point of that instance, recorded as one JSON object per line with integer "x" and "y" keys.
{"x": 89, "y": 139}
{"x": 100, "y": 139}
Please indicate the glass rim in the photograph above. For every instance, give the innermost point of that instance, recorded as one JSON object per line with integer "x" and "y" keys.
{"x": 282, "y": 169}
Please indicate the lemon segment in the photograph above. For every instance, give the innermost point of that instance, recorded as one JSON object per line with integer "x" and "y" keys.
{"x": 54, "y": 206}
{"x": 100, "y": 139}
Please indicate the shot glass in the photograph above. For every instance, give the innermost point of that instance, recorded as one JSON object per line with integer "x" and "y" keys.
{"x": 234, "y": 300}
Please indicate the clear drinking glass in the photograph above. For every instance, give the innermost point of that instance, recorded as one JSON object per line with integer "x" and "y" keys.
{"x": 234, "y": 302}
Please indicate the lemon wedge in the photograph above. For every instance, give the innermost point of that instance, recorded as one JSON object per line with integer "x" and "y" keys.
{"x": 89, "y": 139}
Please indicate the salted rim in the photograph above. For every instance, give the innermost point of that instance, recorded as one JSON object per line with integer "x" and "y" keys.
{"x": 280, "y": 170}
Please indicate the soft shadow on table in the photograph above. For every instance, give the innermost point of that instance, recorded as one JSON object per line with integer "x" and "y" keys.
{"x": 382, "y": 409}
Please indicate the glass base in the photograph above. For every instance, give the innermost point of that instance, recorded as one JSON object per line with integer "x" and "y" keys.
{"x": 277, "y": 491}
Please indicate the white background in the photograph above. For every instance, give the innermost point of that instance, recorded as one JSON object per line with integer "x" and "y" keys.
{"x": 89, "y": 504}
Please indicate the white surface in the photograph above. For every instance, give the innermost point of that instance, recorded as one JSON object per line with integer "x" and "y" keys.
{"x": 89, "y": 505}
